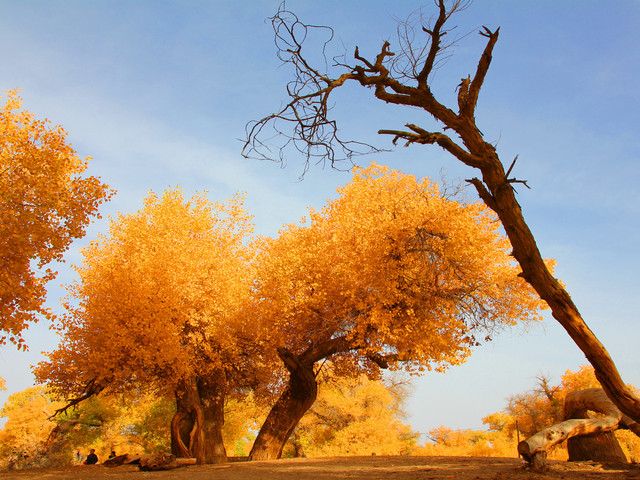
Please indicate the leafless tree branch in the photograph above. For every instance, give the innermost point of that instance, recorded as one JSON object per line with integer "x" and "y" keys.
{"x": 403, "y": 79}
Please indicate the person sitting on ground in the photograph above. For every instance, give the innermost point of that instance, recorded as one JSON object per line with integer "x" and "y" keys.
{"x": 92, "y": 458}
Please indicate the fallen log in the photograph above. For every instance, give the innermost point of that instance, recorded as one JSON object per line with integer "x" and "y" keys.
{"x": 158, "y": 461}
{"x": 118, "y": 460}
{"x": 150, "y": 462}
{"x": 577, "y": 404}
{"x": 163, "y": 461}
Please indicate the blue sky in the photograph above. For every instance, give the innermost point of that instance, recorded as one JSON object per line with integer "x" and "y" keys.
{"x": 159, "y": 92}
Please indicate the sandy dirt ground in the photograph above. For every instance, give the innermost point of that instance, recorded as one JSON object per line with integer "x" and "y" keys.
{"x": 352, "y": 468}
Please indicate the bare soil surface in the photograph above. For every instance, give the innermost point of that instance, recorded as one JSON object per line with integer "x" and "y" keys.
{"x": 352, "y": 468}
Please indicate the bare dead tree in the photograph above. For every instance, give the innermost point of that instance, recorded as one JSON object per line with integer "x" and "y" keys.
{"x": 404, "y": 79}
{"x": 545, "y": 387}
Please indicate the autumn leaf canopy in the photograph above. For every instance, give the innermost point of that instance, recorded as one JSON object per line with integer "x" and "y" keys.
{"x": 154, "y": 301}
{"x": 45, "y": 203}
{"x": 392, "y": 270}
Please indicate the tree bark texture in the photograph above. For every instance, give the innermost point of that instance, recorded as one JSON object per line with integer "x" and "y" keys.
{"x": 295, "y": 401}
{"x": 577, "y": 423}
{"x": 187, "y": 435}
{"x": 158, "y": 461}
{"x": 196, "y": 428}
{"x": 603, "y": 447}
{"x": 599, "y": 448}
{"x": 212, "y": 392}
{"x": 496, "y": 190}
{"x": 501, "y": 198}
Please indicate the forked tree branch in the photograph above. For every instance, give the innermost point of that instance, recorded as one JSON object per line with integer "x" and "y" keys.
{"x": 90, "y": 389}
{"x": 468, "y": 110}
{"x": 304, "y": 123}
{"x": 314, "y": 134}
{"x": 436, "y": 34}
{"x": 424, "y": 137}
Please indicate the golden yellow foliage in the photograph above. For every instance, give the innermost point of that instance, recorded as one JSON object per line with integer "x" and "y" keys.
{"x": 27, "y": 427}
{"x": 584, "y": 377}
{"x": 45, "y": 203}
{"x": 155, "y": 299}
{"x": 135, "y": 422}
{"x": 468, "y": 443}
{"x": 395, "y": 270}
{"x": 124, "y": 423}
{"x": 242, "y": 419}
{"x": 354, "y": 416}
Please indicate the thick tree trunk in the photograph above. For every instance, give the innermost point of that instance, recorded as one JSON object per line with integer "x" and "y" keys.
{"x": 212, "y": 392}
{"x": 294, "y": 402}
{"x": 599, "y": 448}
{"x": 196, "y": 428}
{"x": 496, "y": 190}
{"x": 187, "y": 435}
{"x": 577, "y": 404}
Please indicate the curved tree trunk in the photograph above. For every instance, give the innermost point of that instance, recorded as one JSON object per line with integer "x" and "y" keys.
{"x": 212, "y": 392}
{"x": 603, "y": 447}
{"x": 577, "y": 404}
{"x": 187, "y": 435}
{"x": 294, "y": 402}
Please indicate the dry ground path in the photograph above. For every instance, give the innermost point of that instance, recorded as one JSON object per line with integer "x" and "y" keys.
{"x": 347, "y": 468}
